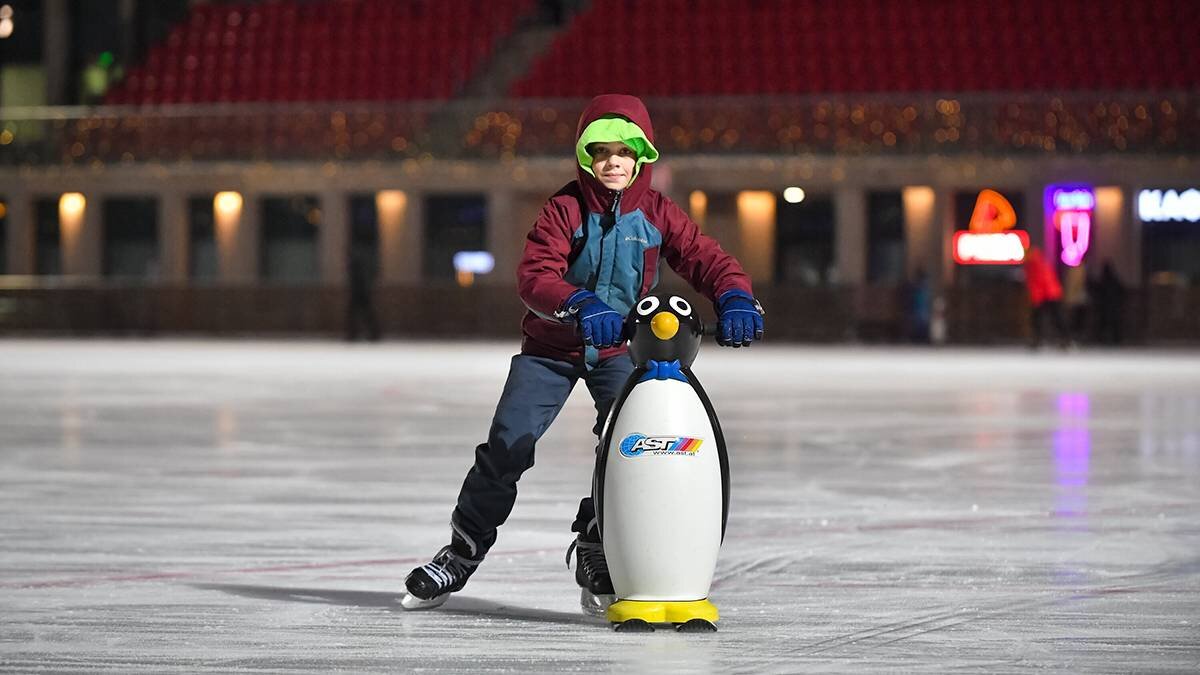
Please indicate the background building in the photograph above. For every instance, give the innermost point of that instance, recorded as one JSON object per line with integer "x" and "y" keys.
{"x": 211, "y": 168}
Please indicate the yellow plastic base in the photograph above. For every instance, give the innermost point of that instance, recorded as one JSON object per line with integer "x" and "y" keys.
{"x": 652, "y": 611}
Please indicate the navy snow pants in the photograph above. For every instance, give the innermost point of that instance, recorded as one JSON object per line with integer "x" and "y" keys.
{"x": 535, "y": 391}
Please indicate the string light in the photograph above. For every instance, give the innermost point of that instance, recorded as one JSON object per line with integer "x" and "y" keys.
{"x": 1086, "y": 124}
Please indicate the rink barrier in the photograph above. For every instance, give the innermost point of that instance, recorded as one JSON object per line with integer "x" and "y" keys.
{"x": 1157, "y": 314}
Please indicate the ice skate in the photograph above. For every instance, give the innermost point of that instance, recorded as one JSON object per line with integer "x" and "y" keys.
{"x": 591, "y": 573}
{"x": 431, "y": 584}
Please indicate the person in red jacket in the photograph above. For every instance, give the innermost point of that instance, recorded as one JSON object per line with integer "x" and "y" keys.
{"x": 593, "y": 252}
{"x": 1045, "y": 296}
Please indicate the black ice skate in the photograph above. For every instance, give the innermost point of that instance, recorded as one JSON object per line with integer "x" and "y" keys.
{"x": 591, "y": 573}
{"x": 432, "y": 583}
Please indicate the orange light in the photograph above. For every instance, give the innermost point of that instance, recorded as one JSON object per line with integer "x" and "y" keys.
{"x": 756, "y": 224}
{"x": 228, "y": 203}
{"x": 390, "y": 205}
{"x": 71, "y": 205}
{"x": 698, "y": 205}
{"x": 992, "y": 213}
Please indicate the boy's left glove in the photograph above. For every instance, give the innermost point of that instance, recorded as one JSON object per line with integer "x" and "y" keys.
{"x": 739, "y": 319}
{"x": 601, "y": 325}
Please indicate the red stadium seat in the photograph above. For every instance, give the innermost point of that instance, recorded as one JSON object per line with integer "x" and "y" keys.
{"x": 314, "y": 50}
{"x": 876, "y": 45}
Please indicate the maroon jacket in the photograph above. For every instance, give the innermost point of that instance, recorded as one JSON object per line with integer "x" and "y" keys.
{"x": 610, "y": 242}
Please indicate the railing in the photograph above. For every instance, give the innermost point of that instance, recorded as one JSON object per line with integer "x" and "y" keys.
{"x": 994, "y": 124}
{"x": 1154, "y": 314}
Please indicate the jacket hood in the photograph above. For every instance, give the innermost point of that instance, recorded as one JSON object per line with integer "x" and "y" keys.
{"x": 598, "y": 197}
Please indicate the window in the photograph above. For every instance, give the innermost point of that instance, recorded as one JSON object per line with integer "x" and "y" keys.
{"x": 202, "y": 239}
{"x": 47, "y": 237}
{"x": 804, "y": 242}
{"x": 288, "y": 239}
{"x": 130, "y": 238}
{"x": 885, "y": 238}
{"x": 24, "y": 45}
{"x": 453, "y": 223}
{"x": 1170, "y": 252}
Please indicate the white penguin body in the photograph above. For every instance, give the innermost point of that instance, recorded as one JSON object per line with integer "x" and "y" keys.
{"x": 662, "y": 493}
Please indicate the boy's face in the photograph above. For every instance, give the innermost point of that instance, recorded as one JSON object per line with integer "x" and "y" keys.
{"x": 613, "y": 163}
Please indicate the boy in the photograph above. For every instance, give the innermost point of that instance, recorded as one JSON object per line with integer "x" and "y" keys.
{"x": 592, "y": 253}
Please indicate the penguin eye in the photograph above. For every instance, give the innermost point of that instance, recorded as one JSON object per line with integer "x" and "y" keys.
{"x": 680, "y": 305}
{"x": 647, "y": 305}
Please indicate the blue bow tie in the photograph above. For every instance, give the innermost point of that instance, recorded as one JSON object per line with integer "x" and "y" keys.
{"x": 663, "y": 370}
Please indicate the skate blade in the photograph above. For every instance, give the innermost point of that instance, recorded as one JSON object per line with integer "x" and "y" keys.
{"x": 412, "y": 602}
{"x": 594, "y": 605}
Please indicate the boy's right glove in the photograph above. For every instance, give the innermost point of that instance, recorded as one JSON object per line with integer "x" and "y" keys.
{"x": 601, "y": 325}
{"x": 739, "y": 319}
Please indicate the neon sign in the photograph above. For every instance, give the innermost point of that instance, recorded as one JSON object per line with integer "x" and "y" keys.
{"x": 1163, "y": 205}
{"x": 1070, "y": 208}
{"x": 991, "y": 239}
{"x": 990, "y": 248}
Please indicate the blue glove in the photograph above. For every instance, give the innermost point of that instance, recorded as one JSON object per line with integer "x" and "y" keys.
{"x": 739, "y": 319}
{"x": 601, "y": 325}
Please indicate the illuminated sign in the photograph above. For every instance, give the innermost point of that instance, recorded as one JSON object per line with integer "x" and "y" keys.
{"x": 991, "y": 239}
{"x": 475, "y": 262}
{"x": 990, "y": 248}
{"x": 1070, "y": 209}
{"x": 1164, "y": 205}
{"x": 992, "y": 213}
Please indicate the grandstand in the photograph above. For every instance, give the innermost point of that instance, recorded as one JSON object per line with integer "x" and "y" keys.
{"x": 373, "y": 50}
{"x": 359, "y": 125}
{"x": 726, "y": 47}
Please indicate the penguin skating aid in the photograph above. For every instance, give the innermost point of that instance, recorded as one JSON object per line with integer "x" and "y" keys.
{"x": 662, "y": 477}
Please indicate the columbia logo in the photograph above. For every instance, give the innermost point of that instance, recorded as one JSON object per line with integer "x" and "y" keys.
{"x": 637, "y": 239}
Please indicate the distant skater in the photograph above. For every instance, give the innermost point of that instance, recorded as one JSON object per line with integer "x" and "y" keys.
{"x": 1045, "y": 298}
{"x": 360, "y": 309}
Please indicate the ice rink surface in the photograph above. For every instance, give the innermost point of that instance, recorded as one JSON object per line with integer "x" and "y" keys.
{"x": 222, "y": 506}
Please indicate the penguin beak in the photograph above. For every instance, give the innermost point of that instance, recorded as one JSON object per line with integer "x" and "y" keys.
{"x": 664, "y": 325}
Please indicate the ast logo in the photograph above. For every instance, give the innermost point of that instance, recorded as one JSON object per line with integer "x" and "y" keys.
{"x": 635, "y": 445}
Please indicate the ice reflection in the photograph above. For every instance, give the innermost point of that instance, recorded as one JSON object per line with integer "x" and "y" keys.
{"x": 686, "y": 655}
{"x": 980, "y": 410}
{"x": 1072, "y": 454}
{"x": 1168, "y": 429}
{"x": 225, "y": 428}
{"x": 71, "y": 423}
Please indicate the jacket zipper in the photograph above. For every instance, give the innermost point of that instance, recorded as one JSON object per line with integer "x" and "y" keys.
{"x": 612, "y": 210}
{"x": 609, "y": 219}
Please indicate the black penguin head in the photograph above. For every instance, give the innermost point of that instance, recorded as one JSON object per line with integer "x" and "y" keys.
{"x": 664, "y": 328}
